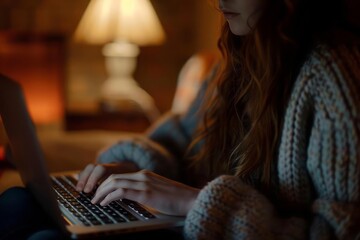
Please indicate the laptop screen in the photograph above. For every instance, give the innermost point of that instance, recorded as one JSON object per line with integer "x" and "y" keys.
{"x": 25, "y": 147}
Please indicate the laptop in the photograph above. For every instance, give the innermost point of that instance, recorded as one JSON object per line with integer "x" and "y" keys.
{"x": 70, "y": 210}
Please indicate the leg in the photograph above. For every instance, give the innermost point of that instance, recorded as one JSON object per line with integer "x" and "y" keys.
{"x": 21, "y": 217}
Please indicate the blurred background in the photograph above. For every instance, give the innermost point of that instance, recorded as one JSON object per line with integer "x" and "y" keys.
{"x": 62, "y": 77}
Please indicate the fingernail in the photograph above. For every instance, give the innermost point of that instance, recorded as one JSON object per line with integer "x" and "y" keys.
{"x": 79, "y": 187}
{"x": 87, "y": 188}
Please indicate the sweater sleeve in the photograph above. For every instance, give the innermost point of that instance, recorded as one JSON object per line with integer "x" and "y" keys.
{"x": 227, "y": 208}
{"x": 334, "y": 167}
{"x": 333, "y": 156}
{"x": 145, "y": 153}
{"x": 175, "y": 131}
{"x": 163, "y": 145}
{"x": 319, "y": 163}
{"x": 318, "y": 167}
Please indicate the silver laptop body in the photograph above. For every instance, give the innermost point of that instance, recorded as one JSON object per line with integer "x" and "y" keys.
{"x": 29, "y": 161}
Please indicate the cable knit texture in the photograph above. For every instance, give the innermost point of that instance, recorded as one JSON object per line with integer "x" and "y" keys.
{"x": 317, "y": 180}
{"x": 318, "y": 168}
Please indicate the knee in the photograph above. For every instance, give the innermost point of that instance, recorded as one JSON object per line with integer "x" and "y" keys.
{"x": 14, "y": 190}
{"x": 52, "y": 234}
{"x": 14, "y": 196}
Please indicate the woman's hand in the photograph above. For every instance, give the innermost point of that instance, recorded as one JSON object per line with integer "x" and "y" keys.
{"x": 94, "y": 173}
{"x": 148, "y": 188}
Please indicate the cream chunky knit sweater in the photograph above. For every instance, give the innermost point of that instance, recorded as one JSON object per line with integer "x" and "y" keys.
{"x": 317, "y": 177}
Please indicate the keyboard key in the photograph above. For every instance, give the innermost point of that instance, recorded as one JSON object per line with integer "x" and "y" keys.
{"x": 95, "y": 222}
{"x": 119, "y": 219}
{"x": 138, "y": 208}
{"x": 71, "y": 179}
{"x": 123, "y": 211}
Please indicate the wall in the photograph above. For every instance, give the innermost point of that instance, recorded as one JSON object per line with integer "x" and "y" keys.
{"x": 207, "y": 25}
{"x": 190, "y": 26}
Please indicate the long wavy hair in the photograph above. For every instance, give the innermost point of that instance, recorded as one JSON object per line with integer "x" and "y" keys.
{"x": 245, "y": 103}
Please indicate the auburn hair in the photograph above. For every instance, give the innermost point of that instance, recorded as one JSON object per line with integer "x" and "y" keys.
{"x": 245, "y": 103}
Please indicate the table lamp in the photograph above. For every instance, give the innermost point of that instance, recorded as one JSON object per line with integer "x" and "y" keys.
{"x": 122, "y": 26}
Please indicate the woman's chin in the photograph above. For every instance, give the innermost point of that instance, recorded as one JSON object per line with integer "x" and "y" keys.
{"x": 239, "y": 30}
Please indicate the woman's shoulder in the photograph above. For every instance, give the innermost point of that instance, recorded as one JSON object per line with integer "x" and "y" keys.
{"x": 336, "y": 47}
{"x": 334, "y": 59}
{"x": 331, "y": 76}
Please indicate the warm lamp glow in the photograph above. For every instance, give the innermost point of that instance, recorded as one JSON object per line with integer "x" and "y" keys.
{"x": 44, "y": 111}
{"x": 122, "y": 25}
{"x": 35, "y": 62}
{"x": 133, "y": 21}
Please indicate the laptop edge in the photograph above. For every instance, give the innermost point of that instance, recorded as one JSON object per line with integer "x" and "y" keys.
{"x": 30, "y": 162}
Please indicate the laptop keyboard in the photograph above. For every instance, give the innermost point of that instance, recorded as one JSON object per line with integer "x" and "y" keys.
{"x": 80, "y": 206}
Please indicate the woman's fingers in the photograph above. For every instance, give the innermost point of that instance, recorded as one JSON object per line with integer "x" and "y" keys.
{"x": 92, "y": 174}
{"x": 83, "y": 177}
{"x": 120, "y": 184}
{"x": 89, "y": 177}
{"x": 125, "y": 176}
{"x": 97, "y": 173}
{"x": 121, "y": 193}
{"x": 165, "y": 195}
{"x": 143, "y": 181}
{"x": 115, "y": 195}
{"x": 141, "y": 176}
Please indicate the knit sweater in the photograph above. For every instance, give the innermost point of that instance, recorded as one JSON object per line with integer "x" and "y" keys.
{"x": 317, "y": 176}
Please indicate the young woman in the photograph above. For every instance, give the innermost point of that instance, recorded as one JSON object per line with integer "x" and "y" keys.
{"x": 270, "y": 149}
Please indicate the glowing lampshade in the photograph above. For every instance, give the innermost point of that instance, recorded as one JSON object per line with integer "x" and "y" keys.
{"x": 133, "y": 21}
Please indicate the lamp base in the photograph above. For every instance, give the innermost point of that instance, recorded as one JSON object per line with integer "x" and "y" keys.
{"x": 120, "y": 92}
{"x": 124, "y": 105}
{"x": 129, "y": 98}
